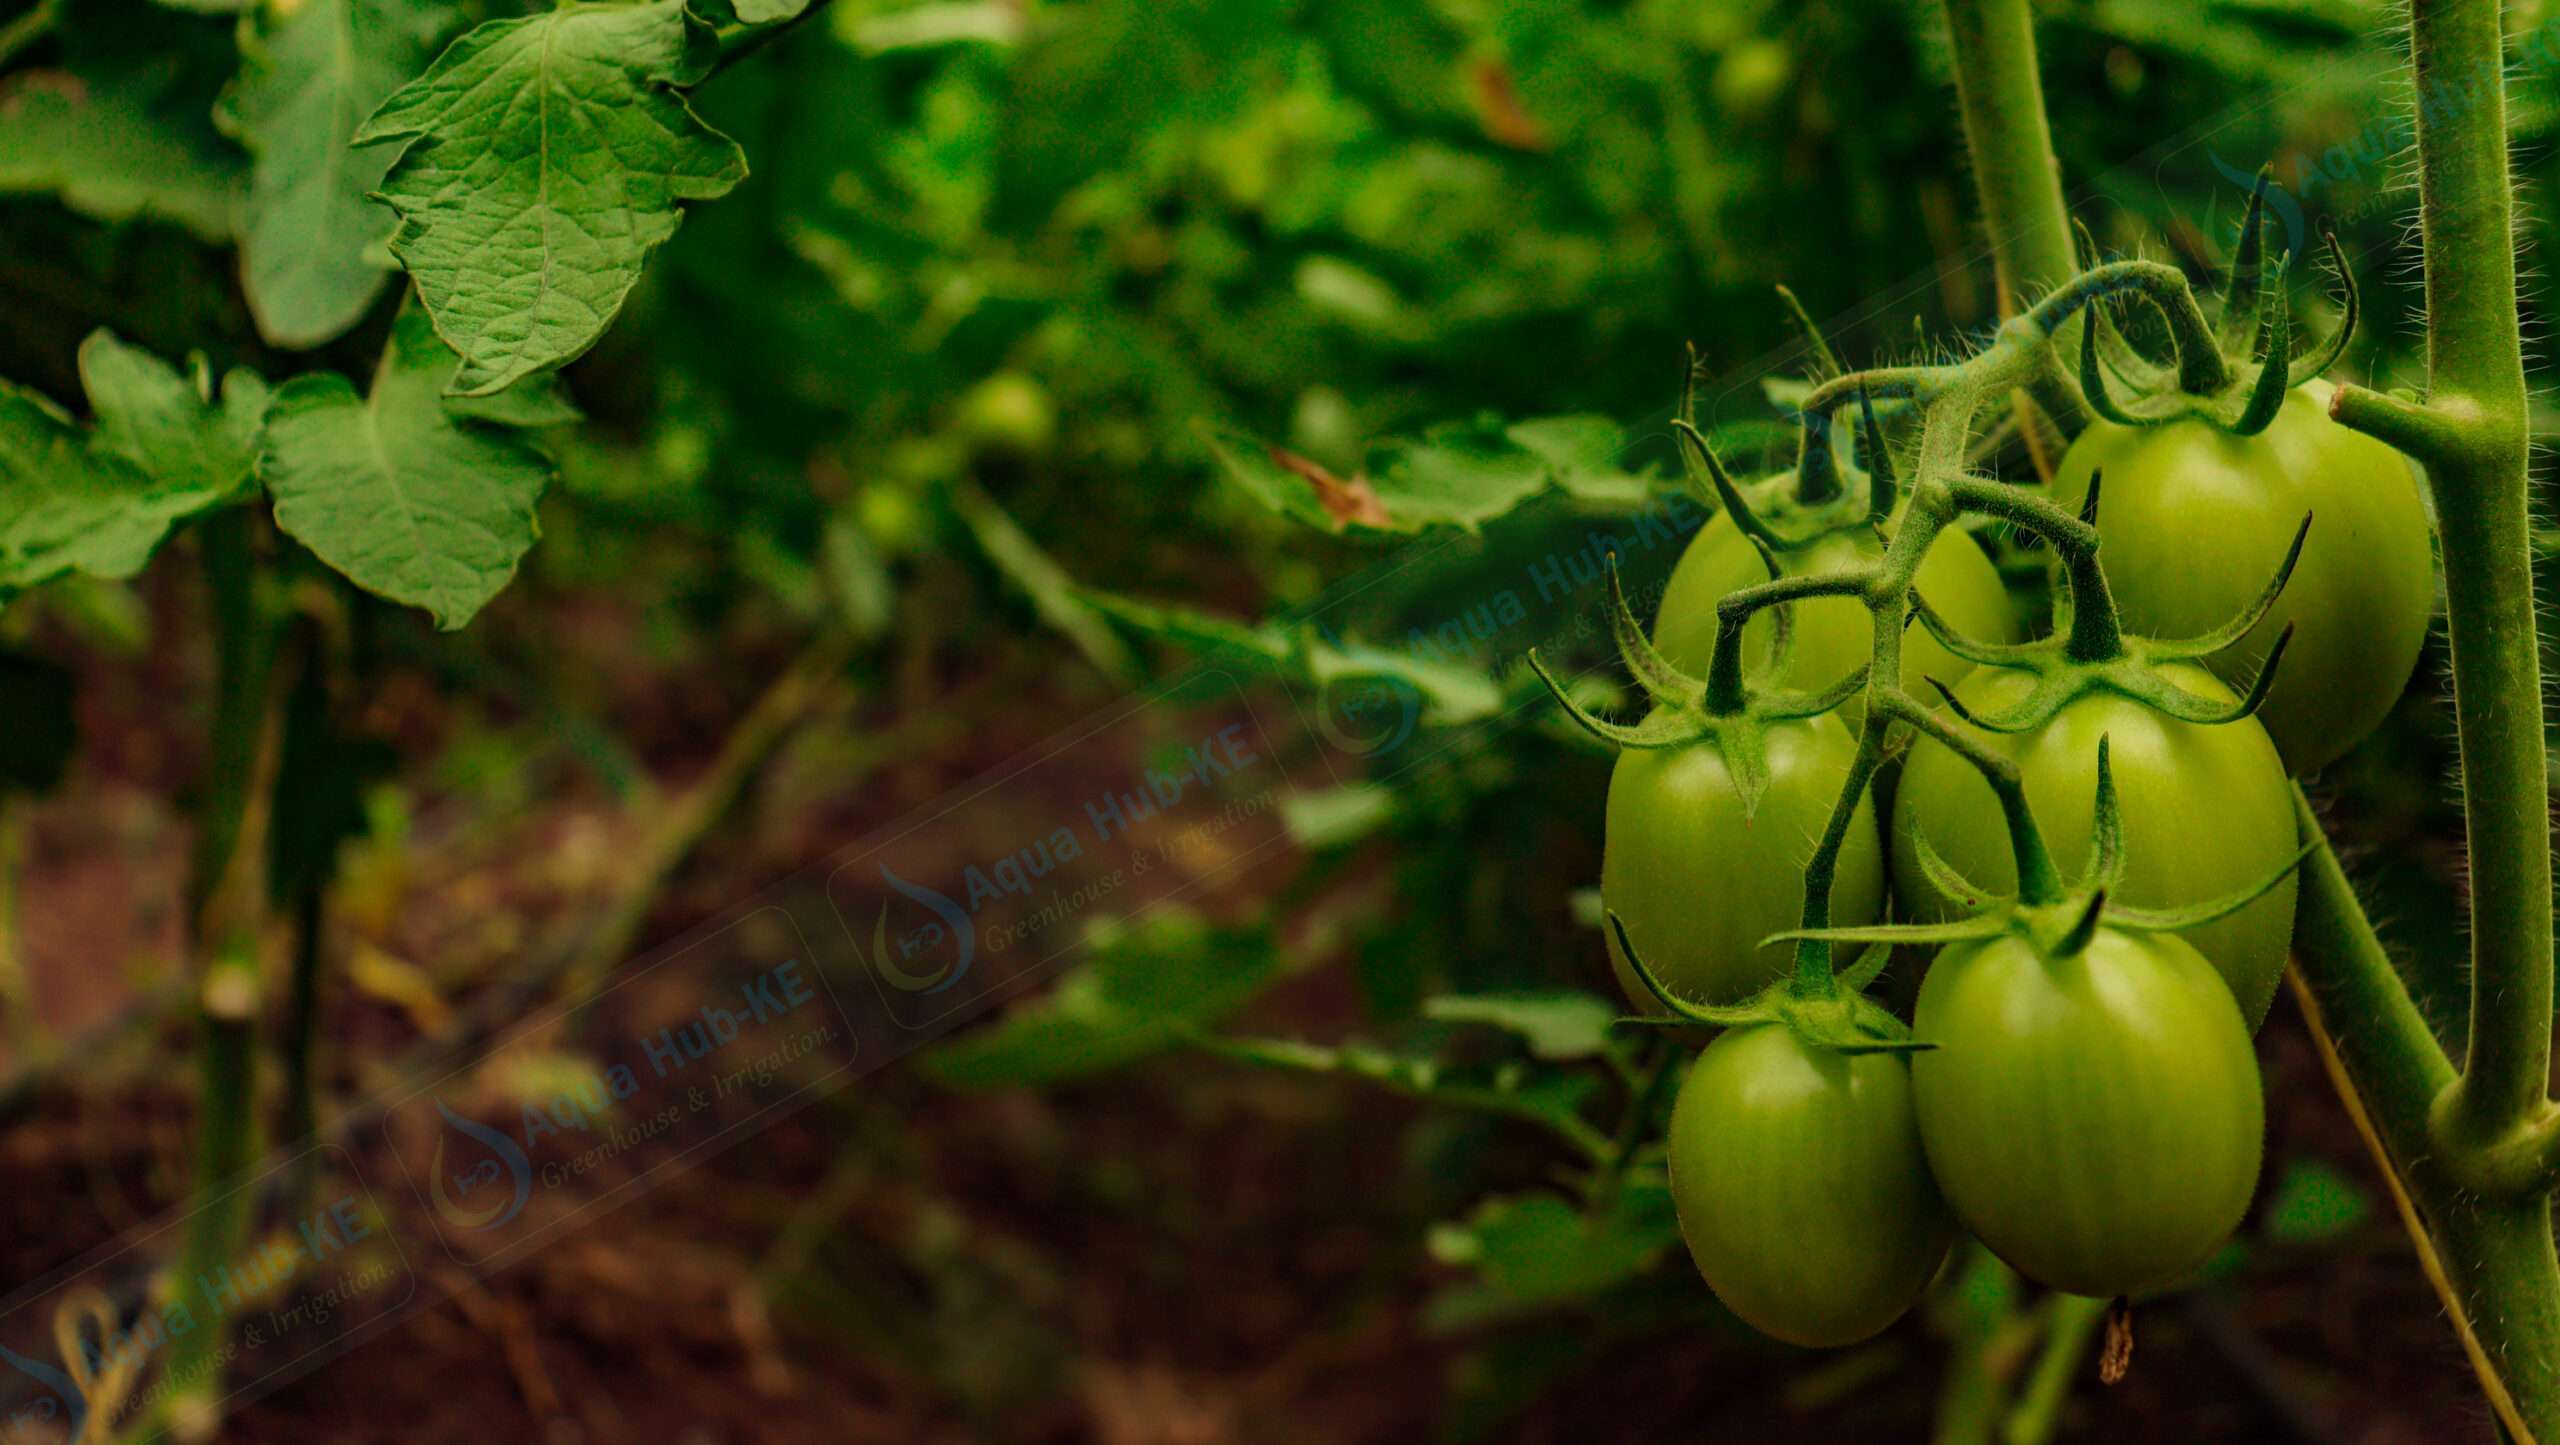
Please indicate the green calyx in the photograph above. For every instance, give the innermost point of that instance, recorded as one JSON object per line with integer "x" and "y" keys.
{"x": 2090, "y": 651}
{"x": 2232, "y": 371}
{"x": 1824, "y": 494}
{"x": 2058, "y": 920}
{"x": 1837, "y": 1015}
{"x": 1723, "y": 711}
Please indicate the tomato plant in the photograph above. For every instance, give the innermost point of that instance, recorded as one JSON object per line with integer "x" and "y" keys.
{"x": 2194, "y": 513}
{"x": 1802, "y": 1189}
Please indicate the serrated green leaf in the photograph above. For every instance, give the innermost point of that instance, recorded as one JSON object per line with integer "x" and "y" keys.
{"x": 1584, "y": 456}
{"x": 1457, "y": 474}
{"x": 1461, "y": 474}
{"x": 1443, "y": 693}
{"x": 546, "y": 158}
{"x": 1138, "y": 993}
{"x": 1257, "y": 468}
{"x": 408, "y": 498}
{"x": 1536, "y": 1251}
{"x": 530, "y": 405}
{"x": 99, "y": 502}
{"x": 309, "y": 75}
{"x": 116, "y": 144}
{"x": 157, "y": 418}
{"x": 1557, "y": 1025}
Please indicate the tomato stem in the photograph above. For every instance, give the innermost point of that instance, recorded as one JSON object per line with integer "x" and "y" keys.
{"x": 2458, "y": 1138}
{"x": 228, "y": 890}
{"x": 2015, "y": 176}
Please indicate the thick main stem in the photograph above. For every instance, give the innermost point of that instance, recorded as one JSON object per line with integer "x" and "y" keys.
{"x": 2016, "y": 180}
{"x": 2475, "y": 374}
{"x": 2449, "y": 1137}
{"x": 2014, "y": 173}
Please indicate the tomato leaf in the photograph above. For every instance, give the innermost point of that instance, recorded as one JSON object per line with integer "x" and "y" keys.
{"x": 99, "y": 502}
{"x": 308, "y": 76}
{"x": 1140, "y": 991}
{"x": 1442, "y": 693}
{"x": 407, "y": 496}
{"x": 1457, "y": 474}
{"x": 546, "y": 158}
{"x": 1536, "y": 1251}
{"x": 159, "y": 419}
{"x": 1557, "y": 1025}
{"x": 122, "y": 126}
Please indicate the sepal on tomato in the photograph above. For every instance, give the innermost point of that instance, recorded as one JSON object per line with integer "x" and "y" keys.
{"x": 2059, "y": 927}
{"x": 1840, "y": 1018}
{"x": 2240, "y": 387}
{"x": 1723, "y": 712}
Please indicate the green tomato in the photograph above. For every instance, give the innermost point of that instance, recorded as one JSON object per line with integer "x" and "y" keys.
{"x": 1834, "y": 636}
{"x": 2195, "y": 520}
{"x": 2207, "y": 812}
{"x": 2095, "y": 1120}
{"x": 1698, "y": 885}
{"x": 1802, "y": 1187}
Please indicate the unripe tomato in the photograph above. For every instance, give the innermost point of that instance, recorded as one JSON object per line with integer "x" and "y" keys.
{"x": 2096, "y": 1120}
{"x": 1802, "y": 1188}
{"x": 1834, "y": 636}
{"x": 2207, "y": 812}
{"x": 1698, "y": 886}
{"x": 2195, "y": 521}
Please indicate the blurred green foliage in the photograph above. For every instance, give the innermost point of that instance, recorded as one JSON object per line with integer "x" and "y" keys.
{"x": 1143, "y": 326}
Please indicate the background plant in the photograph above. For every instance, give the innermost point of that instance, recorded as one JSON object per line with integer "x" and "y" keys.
{"x": 987, "y": 273}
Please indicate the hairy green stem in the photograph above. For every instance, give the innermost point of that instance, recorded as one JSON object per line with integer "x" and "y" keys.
{"x": 2473, "y": 355}
{"x": 2016, "y": 179}
{"x": 2014, "y": 173}
{"x": 2474, "y": 1150}
{"x": 2472, "y": 434}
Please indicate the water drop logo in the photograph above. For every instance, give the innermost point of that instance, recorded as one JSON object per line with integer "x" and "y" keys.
{"x": 1370, "y": 714}
{"x": 2279, "y": 200}
{"x": 459, "y": 1200}
{"x": 949, "y": 923}
{"x": 64, "y": 1405}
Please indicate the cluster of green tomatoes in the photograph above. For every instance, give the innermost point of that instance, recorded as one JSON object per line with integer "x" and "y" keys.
{"x": 2087, "y": 833}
